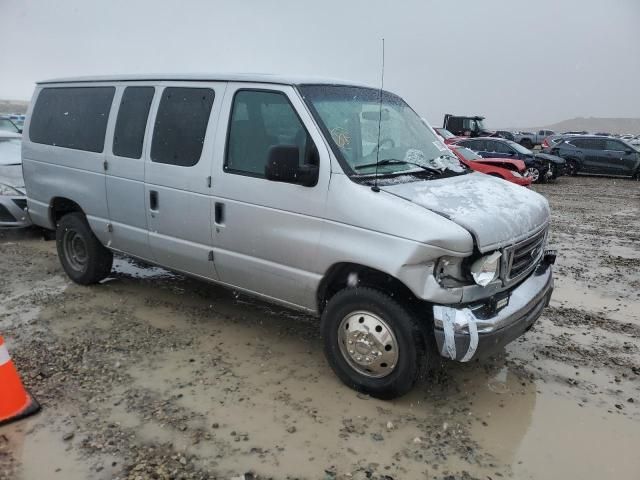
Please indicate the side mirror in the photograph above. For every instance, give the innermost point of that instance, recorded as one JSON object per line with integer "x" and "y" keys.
{"x": 20, "y": 130}
{"x": 283, "y": 165}
{"x": 628, "y": 151}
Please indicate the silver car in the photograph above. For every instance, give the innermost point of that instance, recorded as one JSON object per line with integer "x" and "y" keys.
{"x": 327, "y": 197}
{"x": 13, "y": 200}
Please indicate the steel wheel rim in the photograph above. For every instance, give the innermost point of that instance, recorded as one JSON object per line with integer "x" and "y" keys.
{"x": 368, "y": 344}
{"x": 75, "y": 250}
{"x": 532, "y": 173}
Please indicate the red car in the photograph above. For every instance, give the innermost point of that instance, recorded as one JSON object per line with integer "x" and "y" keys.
{"x": 510, "y": 170}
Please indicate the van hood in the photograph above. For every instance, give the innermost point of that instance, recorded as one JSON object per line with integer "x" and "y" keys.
{"x": 494, "y": 211}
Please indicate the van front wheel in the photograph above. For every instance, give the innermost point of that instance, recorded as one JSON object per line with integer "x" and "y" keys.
{"x": 372, "y": 342}
{"x": 83, "y": 257}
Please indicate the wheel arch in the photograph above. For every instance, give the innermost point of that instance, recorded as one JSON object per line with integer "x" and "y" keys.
{"x": 575, "y": 159}
{"x": 345, "y": 274}
{"x": 60, "y": 206}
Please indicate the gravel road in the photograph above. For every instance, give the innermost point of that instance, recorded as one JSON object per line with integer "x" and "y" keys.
{"x": 153, "y": 375}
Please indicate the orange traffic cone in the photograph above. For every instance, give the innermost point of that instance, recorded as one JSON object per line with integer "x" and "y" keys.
{"x": 15, "y": 401}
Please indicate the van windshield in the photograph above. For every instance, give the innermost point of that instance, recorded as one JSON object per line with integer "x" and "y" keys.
{"x": 349, "y": 118}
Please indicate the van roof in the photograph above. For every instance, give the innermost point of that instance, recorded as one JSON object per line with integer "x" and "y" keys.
{"x": 207, "y": 77}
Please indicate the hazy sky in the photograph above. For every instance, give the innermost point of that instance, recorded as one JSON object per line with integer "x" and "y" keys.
{"x": 520, "y": 63}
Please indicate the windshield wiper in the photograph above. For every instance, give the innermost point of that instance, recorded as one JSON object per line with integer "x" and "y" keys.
{"x": 391, "y": 161}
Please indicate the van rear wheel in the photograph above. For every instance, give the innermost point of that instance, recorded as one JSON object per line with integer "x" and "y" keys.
{"x": 373, "y": 343}
{"x": 83, "y": 257}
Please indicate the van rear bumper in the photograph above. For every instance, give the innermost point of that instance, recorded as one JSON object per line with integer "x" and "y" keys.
{"x": 476, "y": 330}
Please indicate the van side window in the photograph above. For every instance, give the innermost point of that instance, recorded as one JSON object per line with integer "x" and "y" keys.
{"x": 72, "y": 117}
{"x": 261, "y": 120}
{"x": 132, "y": 121}
{"x": 181, "y": 125}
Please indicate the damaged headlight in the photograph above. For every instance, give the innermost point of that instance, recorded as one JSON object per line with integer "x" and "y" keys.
{"x": 449, "y": 272}
{"x": 515, "y": 174}
{"x": 486, "y": 269}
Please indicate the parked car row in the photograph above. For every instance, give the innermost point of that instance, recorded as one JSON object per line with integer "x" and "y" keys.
{"x": 539, "y": 166}
{"x": 597, "y": 154}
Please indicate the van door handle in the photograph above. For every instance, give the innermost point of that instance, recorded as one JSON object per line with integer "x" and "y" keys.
{"x": 219, "y": 213}
{"x": 153, "y": 200}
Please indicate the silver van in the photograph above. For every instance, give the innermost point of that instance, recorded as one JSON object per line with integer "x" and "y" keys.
{"x": 323, "y": 196}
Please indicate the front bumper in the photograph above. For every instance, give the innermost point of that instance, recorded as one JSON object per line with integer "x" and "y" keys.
{"x": 13, "y": 212}
{"x": 522, "y": 181}
{"x": 471, "y": 331}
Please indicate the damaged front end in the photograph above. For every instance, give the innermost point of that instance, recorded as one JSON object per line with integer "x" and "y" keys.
{"x": 467, "y": 331}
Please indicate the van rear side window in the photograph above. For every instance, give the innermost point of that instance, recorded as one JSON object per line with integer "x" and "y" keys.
{"x": 181, "y": 125}
{"x": 72, "y": 117}
{"x": 132, "y": 121}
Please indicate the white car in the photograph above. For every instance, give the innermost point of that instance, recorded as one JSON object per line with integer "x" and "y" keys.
{"x": 13, "y": 200}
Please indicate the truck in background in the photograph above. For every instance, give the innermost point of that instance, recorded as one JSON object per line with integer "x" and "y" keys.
{"x": 530, "y": 140}
{"x": 466, "y": 125}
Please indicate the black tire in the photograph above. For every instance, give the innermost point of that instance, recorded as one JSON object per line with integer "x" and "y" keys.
{"x": 572, "y": 167}
{"x": 83, "y": 257}
{"x": 412, "y": 342}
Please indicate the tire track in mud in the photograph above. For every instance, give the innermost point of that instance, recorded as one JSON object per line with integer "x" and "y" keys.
{"x": 572, "y": 317}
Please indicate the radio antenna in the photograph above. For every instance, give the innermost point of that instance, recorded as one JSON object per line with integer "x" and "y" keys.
{"x": 375, "y": 186}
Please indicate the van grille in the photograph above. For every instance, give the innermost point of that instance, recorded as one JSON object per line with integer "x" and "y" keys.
{"x": 522, "y": 258}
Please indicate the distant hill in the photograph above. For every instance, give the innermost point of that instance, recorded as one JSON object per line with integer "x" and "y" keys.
{"x": 13, "y": 106}
{"x": 595, "y": 124}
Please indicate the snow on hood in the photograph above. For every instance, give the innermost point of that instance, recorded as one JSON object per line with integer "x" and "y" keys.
{"x": 496, "y": 212}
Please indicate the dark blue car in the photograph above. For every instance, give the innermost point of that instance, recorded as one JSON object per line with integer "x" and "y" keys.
{"x": 540, "y": 166}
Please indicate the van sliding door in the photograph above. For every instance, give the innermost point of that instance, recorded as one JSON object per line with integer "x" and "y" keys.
{"x": 177, "y": 176}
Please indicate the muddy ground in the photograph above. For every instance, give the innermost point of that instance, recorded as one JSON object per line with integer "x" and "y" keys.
{"x": 152, "y": 375}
